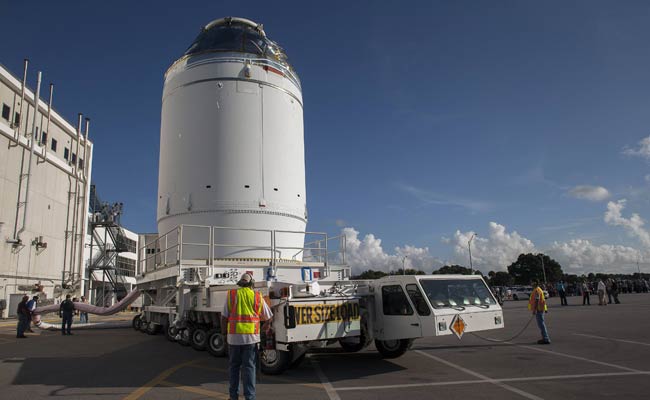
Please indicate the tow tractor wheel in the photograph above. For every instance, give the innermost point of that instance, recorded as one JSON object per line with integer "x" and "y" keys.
{"x": 186, "y": 337}
{"x": 216, "y": 343}
{"x": 353, "y": 344}
{"x": 171, "y": 332}
{"x": 199, "y": 339}
{"x": 392, "y": 348}
{"x": 137, "y": 321}
{"x": 152, "y": 328}
{"x": 274, "y": 362}
{"x": 143, "y": 326}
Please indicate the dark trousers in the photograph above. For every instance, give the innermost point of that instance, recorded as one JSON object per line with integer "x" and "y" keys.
{"x": 66, "y": 323}
{"x": 563, "y": 298}
{"x": 23, "y": 324}
{"x": 585, "y": 299}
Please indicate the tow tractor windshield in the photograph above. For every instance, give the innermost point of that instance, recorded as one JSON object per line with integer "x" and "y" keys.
{"x": 455, "y": 293}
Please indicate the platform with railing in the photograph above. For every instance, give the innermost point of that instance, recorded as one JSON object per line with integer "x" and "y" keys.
{"x": 196, "y": 251}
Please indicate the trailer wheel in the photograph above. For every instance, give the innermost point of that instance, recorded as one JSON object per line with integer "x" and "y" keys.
{"x": 171, "y": 332}
{"x": 137, "y": 321}
{"x": 353, "y": 344}
{"x": 216, "y": 343}
{"x": 152, "y": 328}
{"x": 274, "y": 362}
{"x": 199, "y": 339}
{"x": 186, "y": 336}
{"x": 392, "y": 348}
{"x": 143, "y": 326}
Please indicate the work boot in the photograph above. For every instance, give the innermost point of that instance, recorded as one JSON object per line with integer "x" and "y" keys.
{"x": 543, "y": 341}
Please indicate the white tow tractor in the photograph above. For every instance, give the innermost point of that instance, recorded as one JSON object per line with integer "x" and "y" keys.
{"x": 313, "y": 301}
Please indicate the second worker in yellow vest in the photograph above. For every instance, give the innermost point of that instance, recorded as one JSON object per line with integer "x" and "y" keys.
{"x": 537, "y": 304}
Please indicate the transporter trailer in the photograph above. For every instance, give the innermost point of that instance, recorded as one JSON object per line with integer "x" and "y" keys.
{"x": 232, "y": 200}
{"x": 314, "y": 302}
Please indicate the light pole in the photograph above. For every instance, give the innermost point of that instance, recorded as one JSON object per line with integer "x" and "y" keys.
{"x": 403, "y": 268}
{"x": 541, "y": 257}
{"x": 469, "y": 247}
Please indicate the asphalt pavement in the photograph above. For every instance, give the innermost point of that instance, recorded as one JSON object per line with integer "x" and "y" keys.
{"x": 597, "y": 352}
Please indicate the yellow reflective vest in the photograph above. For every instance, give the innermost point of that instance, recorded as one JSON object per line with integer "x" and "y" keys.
{"x": 541, "y": 303}
{"x": 244, "y": 309}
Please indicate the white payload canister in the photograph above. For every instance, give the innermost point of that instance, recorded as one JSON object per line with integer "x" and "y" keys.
{"x": 231, "y": 142}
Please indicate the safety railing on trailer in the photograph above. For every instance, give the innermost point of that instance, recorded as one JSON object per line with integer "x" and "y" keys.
{"x": 224, "y": 251}
{"x": 160, "y": 252}
{"x": 200, "y": 246}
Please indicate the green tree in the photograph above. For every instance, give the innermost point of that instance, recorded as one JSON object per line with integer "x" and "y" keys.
{"x": 409, "y": 271}
{"x": 455, "y": 269}
{"x": 501, "y": 278}
{"x": 370, "y": 274}
{"x": 529, "y": 267}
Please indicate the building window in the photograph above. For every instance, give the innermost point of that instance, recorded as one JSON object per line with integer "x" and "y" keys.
{"x": 66, "y": 153}
{"x": 6, "y": 111}
{"x": 53, "y": 145}
{"x": 125, "y": 266}
{"x": 17, "y": 118}
{"x": 131, "y": 245}
{"x": 44, "y": 137}
{"x": 74, "y": 158}
{"x": 81, "y": 163}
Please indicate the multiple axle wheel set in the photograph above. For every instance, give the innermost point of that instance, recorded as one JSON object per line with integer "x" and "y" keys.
{"x": 204, "y": 338}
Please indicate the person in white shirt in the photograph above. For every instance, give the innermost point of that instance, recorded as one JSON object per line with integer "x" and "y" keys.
{"x": 602, "y": 292}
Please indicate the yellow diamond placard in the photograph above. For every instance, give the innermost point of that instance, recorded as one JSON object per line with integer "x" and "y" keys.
{"x": 458, "y": 326}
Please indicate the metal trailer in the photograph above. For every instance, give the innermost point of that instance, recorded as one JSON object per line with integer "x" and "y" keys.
{"x": 313, "y": 301}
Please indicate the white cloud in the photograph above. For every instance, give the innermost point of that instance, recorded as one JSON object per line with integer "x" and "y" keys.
{"x": 582, "y": 256}
{"x": 634, "y": 224}
{"x": 494, "y": 252}
{"x": 340, "y": 223}
{"x": 367, "y": 253}
{"x": 591, "y": 193}
{"x": 500, "y": 249}
{"x": 647, "y": 178}
{"x": 642, "y": 151}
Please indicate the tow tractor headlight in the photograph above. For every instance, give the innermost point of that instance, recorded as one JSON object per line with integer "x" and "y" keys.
{"x": 442, "y": 326}
{"x": 497, "y": 320}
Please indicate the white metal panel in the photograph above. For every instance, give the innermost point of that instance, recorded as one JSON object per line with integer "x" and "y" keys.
{"x": 232, "y": 154}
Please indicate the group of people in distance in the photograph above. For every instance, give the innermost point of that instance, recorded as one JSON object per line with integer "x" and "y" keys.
{"x": 27, "y": 307}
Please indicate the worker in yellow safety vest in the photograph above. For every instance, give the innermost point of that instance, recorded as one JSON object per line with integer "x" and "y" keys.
{"x": 242, "y": 313}
{"x": 537, "y": 304}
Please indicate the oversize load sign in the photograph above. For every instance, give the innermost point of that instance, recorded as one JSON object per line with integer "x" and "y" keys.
{"x": 323, "y": 313}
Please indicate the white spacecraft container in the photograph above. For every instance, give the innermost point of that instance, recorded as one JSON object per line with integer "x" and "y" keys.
{"x": 231, "y": 142}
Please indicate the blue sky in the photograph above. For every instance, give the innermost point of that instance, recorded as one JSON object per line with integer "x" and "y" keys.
{"x": 424, "y": 121}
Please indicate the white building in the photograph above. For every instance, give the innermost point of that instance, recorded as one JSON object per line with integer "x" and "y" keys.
{"x": 44, "y": 193}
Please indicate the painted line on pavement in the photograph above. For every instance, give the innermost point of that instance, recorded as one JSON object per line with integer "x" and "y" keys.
{"x": 329, "y": 389}
{"x": 139, "y": 392}
{"x": 581, "y": 359}
{"x": 483, "y": 381}
{"x": 275, "y": 378}
{"x": 480, "y": 376}
{"x": 196, "y": 390}
{"x": 616, "y": 340}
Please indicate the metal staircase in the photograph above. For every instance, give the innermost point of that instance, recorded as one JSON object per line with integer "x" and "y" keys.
{"x": 107, "y": 241}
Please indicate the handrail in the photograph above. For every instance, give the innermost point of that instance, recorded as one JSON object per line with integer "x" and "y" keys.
{"x": 318, "y": 250}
